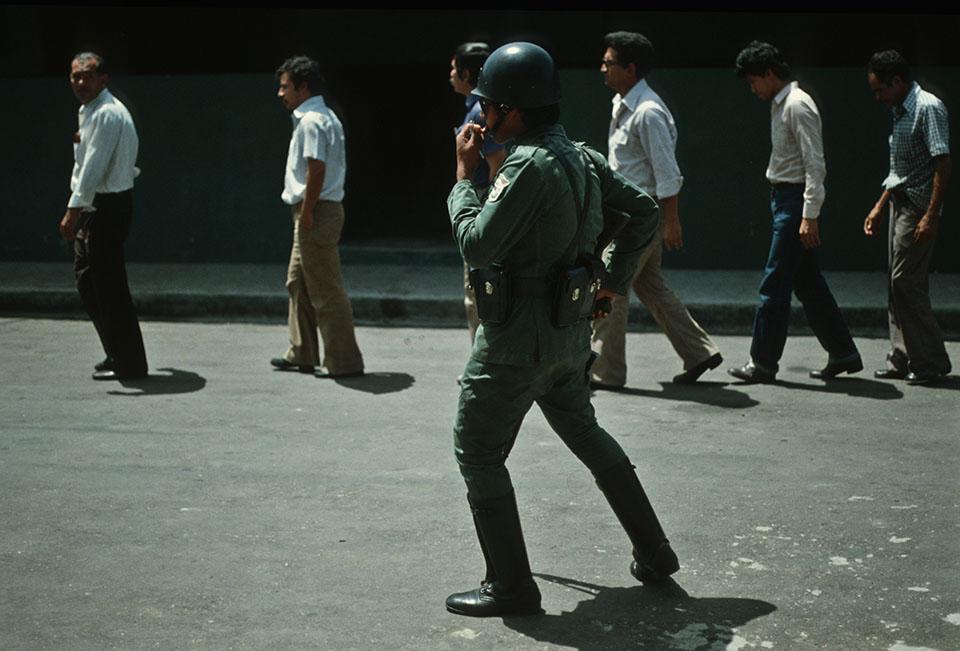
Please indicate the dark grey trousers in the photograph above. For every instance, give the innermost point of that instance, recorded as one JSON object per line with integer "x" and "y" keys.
{"x": 916, "y": 341}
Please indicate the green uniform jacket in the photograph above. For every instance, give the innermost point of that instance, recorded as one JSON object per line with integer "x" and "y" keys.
{"x": 527, "y": 222}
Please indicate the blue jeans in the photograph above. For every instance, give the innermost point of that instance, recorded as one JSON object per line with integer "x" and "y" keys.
{"x": 791, "y": 268}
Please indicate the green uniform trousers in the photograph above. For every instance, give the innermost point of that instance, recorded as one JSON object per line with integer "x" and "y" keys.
{"x": 494, "y": 398}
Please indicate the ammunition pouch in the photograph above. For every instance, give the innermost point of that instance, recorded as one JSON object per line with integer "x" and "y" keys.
{"x": 491, "y": 293}
{"x": 575, "y": 291}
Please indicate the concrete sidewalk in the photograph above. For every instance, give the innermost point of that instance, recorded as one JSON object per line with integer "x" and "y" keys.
{"x": 419, "y": 284}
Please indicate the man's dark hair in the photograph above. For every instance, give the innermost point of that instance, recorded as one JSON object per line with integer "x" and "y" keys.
{"x": 889, "y": 64}
{"x": 470, "y": 57}
{"x": 634, "y": 48}
{"x": 304, "y": 70}
{"x": 83, "y": 57}
{"x": 540, "y": 117}
{"x": 758, "y": 57}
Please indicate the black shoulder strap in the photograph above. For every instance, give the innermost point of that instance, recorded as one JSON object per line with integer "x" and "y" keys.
{"x": 576, "y": 244}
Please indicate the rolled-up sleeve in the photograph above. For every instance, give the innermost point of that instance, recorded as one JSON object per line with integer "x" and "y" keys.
{"x": 658, "y": 141}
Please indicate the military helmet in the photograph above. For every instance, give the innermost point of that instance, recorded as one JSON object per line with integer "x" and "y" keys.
{"x": 519, "y": 75}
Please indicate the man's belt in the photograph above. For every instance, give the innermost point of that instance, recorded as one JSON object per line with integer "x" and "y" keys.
{"x": 529, "y": 287}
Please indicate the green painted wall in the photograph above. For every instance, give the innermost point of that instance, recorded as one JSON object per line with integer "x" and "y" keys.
{"x": 213, "y": 150}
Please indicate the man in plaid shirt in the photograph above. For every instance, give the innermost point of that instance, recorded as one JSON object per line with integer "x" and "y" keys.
{"x": 914, "y": 188}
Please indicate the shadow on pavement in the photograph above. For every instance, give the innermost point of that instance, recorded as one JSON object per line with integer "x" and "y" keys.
{"x": 378, "y": 383}
{"x": 708, "y": 393}
{"x": 174, "y": 381}
{"x": 655, "y": 617}
{"x": 855, "y": 387}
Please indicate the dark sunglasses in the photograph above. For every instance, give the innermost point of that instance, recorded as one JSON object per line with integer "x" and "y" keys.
{"x": 484, "y": 103}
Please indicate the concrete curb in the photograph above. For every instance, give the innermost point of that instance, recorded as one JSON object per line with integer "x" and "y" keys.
{"x": 419, "y": 311}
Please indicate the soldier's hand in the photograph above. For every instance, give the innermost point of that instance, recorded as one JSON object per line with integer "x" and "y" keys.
{"x": 469, "y": 144}
{"x": 68, "y": 225}
{"x": 603, "y": 303}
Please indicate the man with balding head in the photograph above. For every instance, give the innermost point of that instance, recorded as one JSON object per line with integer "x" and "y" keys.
{"x": 98, "y": 217}
{"x": 914, "y": 190}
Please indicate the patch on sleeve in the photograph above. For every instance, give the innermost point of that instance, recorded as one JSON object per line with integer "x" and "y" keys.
{"x": 499, "y": 185}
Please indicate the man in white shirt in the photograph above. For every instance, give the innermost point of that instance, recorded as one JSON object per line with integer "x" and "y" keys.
{"x": 796, "y": 173}
{"x": 314, "y": 188}
{"x": 98, "y": 217}
{"x": 642, "y": 147}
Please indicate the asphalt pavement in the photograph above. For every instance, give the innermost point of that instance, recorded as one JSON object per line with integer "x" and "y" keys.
{"x": 222, "y": 505}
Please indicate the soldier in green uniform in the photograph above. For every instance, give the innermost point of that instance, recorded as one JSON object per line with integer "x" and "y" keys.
{"x": 548, "y": 194}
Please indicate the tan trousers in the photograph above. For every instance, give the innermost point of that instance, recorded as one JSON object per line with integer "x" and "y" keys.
{"x": 473, "y": 320}
{"x": 317, "y": 297}
{"x": 692, "y": 344}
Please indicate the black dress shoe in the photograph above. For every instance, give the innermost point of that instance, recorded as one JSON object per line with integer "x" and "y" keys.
{"x": 600, "y": 386}
{"x": 751, "y": 374}
{"x": 113, "y": 375}
{"x": 833, "y": 369}
{"x": 923, "y": 378}
{"x": 284, "y": 365}
{"x": 105, "y": 365}
{"x": 693, "y": 374}
{"x": 486, "y": 601}
{"x": 889, "y": 374}
{"x": 663, "y": 563}
{"x": 325, "y": 374}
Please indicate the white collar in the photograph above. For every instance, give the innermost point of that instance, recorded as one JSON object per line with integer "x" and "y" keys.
{"x": 632, "y": 98}
{"x": 312, "y": 103}
{"x": 786, "y": 90}
{"x": 96, "y": 101}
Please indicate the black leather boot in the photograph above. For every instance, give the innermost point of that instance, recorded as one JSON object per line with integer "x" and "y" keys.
{"x": 489, "y": 576}
{"x": 509, "y": 588}
{"x": 654, "y": 559}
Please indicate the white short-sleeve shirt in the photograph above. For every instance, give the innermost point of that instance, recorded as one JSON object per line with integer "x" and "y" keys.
{"x": 317, "y": 134}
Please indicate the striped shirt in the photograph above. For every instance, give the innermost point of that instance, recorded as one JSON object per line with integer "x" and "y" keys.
{"x": 920, "y": 134}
